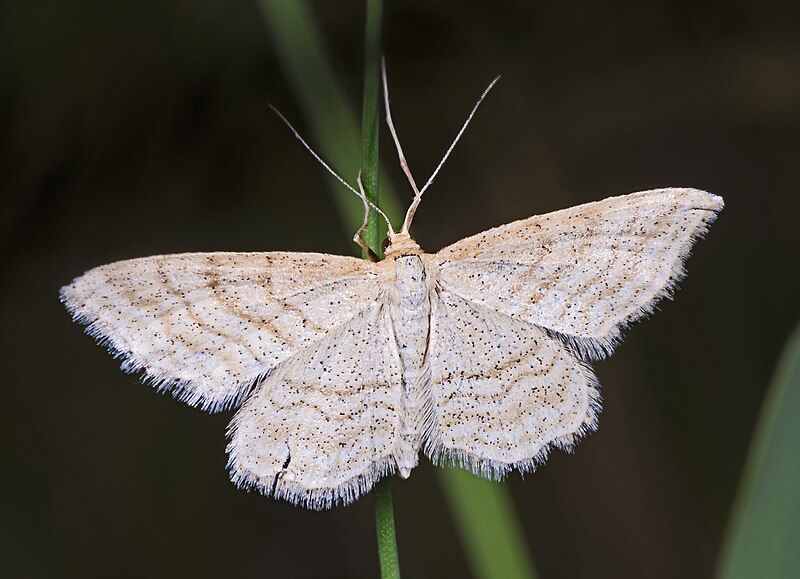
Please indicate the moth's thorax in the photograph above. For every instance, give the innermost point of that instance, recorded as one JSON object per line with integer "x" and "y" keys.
{"x": 401, "y": 244}
{"x": 411, "y": 283}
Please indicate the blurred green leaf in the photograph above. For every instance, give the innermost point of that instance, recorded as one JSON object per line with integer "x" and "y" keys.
{"x": 491, "y": 533}
{"x": 764, "y": 533}
{"x": 483, "y": 511}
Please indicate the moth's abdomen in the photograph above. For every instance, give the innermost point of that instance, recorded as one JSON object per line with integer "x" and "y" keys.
{"x": 410, "y": 313}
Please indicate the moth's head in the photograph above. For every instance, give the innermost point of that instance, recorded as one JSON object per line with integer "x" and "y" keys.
{"x": 401, "y": 244}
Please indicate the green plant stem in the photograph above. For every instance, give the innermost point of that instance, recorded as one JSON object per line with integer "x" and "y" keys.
{"x": 384, "y": 512}
{"x": 329, "y": 114}
{"x": 384, "y": 526}
{"x": 370, "y": 121}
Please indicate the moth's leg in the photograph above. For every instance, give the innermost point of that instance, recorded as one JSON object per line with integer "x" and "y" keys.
{"x": 357, "y": 237}
{"x": 331, "y": 171}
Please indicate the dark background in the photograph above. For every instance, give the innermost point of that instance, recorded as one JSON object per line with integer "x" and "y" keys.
{"x": 133, "y": 128}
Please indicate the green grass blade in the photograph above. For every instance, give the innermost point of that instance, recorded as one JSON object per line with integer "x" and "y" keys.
{"x": 330, "y": 117}
{"x": 384, "y": 526}
{"x": 764, "y": 534}
{"x": 370, "y": 119}
{"x": 490, "y": 531}
{"x": 370, "y": 133}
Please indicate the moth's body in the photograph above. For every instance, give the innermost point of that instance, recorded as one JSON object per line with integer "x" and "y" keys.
{"x": 345, "y": 370}
{"x": 411, "y": 317}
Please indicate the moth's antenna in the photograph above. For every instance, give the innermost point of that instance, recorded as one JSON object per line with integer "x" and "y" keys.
{"x": 417, "y": 198}
{"x": 461, "y": 132}
{"x": 310, "y": 150}
{"x": 360, "y": 194}
{"x": 402, "y": 157}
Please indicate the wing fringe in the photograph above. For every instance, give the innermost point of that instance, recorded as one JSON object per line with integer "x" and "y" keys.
{"x": 592, "y": 349}
{"x": 185, "y": 391}
{"x": 315, "y": 499}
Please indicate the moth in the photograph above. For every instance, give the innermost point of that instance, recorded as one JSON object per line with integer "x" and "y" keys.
{"x": 343, "y": 370}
